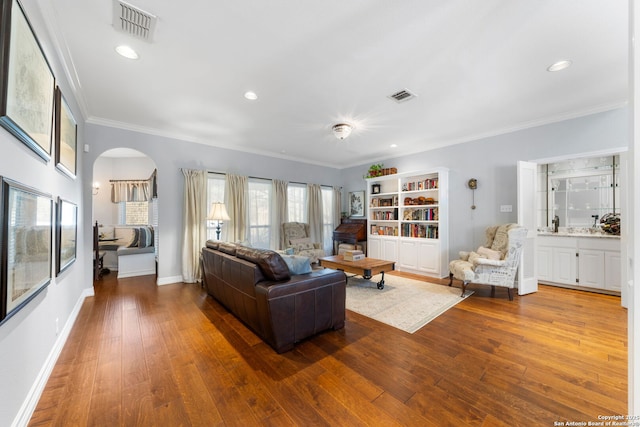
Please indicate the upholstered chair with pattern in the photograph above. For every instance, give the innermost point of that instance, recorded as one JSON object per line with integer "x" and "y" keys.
{"x": 297, "y": 240}
{"x": 494, "y": 264}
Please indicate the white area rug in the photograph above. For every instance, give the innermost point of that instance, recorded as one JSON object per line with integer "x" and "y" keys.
{"x": 404, "y": 303}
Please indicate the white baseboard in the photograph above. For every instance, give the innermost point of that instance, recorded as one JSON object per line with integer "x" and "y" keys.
{"x": 122, "y": 274}
{"x": 30, "y": 403}
{"x": 168, "y": 280}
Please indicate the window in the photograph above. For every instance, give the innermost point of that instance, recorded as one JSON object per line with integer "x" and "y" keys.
{"x": 215, "y": 190}
{"x": 133, "y": 213}
{"x": 297, "y": 202}
{"x": 327, "y": 219}
{"x": 260, "y": 213}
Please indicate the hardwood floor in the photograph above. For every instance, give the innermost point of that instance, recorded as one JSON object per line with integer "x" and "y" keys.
{"x": 142, "y": 355}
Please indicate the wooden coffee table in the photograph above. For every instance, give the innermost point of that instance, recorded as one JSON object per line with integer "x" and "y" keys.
{"x": 366, "y": 268}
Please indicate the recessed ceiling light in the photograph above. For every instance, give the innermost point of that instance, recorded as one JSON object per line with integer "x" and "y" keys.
{"x": 127, "y": 52}
{"x": 393, "y": 145}
{"x": 252, "y": 96}
{"x": 560, "y": 65}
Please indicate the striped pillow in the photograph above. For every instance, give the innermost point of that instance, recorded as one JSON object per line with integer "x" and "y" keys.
{"x": 145, "y": 238}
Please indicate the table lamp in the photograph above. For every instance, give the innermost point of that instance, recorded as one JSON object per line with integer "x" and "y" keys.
{"x": 218, "y": 213}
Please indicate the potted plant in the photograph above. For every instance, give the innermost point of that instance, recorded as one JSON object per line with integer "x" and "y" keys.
{"x": 374, "y": 170}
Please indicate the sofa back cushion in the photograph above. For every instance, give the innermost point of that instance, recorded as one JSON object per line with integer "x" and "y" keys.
{"x": 227, "y": 248}
{"x": 271, "y": 263}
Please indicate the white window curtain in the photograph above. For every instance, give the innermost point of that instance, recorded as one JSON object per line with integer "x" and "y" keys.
{"x": 278, "y": 213}
{"x": 194, "y": 223}
{"x": 314, "y": 212}
{"x": 337, "y": 205}
{"x": 236, "y": 195}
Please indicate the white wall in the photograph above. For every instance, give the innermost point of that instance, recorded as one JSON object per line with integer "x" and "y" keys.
{"x": 107, "y": 168}
{"x": 492, "y": 161}
{"x": 28, "y": 339}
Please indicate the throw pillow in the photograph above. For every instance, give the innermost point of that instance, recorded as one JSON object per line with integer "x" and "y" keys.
{"x": 473, "y": 256}
{"x": 297, "y": 264}
{"x": 145, "y": 237}
{"x": 135, "y": 235}
{"x": 301, "y": 240}
{"x": 303, "y": 247}
{"x": 489, "y": 253}
{"x": 270, "y": 262}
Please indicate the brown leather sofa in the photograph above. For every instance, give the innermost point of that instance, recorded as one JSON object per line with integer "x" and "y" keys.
{"x": 256, "y": 286}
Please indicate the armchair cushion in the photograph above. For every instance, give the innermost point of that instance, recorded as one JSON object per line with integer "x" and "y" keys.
{"x": 489, "y": 253}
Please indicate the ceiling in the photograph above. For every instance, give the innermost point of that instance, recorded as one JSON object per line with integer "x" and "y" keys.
{"x": 479, "y": 68}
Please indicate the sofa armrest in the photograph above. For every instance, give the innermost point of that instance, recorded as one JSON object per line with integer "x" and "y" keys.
{"x": 301, "y": 306}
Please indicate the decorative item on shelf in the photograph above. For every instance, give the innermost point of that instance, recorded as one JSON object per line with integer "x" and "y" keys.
{"x": 374, "y": 171}
{"x": 473, "y": 184}
{"x": 375, "y": 188}
{"x": 611, "y": 223}
{"x": 218, "y": 213}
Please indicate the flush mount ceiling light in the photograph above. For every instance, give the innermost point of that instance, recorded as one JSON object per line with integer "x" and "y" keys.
{"x": 342, "y": 130}
{"x": 251, "y": 96}
{"x": 127, "y": 52}
{"x": 559, "y": 66}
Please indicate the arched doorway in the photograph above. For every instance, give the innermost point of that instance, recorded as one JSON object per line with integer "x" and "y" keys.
{"x": 124, "y": 223}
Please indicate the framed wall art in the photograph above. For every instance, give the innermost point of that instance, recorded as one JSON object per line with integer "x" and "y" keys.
{"x": 65, "y": 136}
{"x": 26, "y": 82}
{"x": 66, "y": 234}
{"x": 356, "y": 203}
{"x": 26, "y": 217}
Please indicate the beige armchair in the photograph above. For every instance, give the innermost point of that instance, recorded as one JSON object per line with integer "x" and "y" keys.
{"x": 297, "y": 239}
{"x": 495, "y": 263}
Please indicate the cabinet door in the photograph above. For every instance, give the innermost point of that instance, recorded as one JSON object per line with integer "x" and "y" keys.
{"x": 429, "y": 257}
{"x": 612, "y": 267}
{"x": 545, "y": 262}
{"x": 390, "y": 250}
{"x": 591, "y": 268}
{"x": 408, "y": 254}
{"x": 564, "y": 266}
{"x": 374, "y": 248}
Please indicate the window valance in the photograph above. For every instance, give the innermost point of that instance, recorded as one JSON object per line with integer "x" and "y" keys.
{"x": 134, "y": 190}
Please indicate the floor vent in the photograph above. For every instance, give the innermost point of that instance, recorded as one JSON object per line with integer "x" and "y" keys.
{"x": 133, "y": 21}
{"x": 403, "y": 95}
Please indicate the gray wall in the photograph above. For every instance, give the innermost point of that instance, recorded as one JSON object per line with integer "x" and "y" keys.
{"x": 493, "y": 162}
{"x": 169, "y": 156}
{"x": 28, "y": 339}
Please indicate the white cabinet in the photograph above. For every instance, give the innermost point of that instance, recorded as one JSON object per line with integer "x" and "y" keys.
{"x": 382, "y": 248}
{"x": 408, "y": 221}
{"x": 564, "y": 266}
{"x": 591, "y": 268}
{"x": 544, "y": 255}
{"x": 419, "y": 256}
{"x": 579, "y": 261}
{"x": 612, "y": 267}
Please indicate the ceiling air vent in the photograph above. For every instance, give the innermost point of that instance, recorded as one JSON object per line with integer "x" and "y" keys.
{"x": 403, "y": 95}
{"x": 133, "y": 21}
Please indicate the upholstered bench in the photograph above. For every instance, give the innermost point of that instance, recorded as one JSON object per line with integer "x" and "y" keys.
{"x": 129, "y": 250}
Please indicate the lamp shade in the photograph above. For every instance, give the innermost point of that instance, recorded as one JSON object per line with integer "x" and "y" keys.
{"x": 218, "y": 212}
